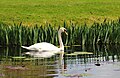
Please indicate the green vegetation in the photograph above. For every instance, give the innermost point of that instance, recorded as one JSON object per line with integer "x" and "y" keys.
{"x": 32, "y": 12}
{"x": 86, "y": 21}
{"x": 104, "y": 33}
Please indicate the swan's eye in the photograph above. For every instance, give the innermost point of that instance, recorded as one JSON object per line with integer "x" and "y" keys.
{"x": 65, "y": 30}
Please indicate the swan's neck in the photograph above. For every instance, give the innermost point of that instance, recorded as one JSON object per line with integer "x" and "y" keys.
{"x": 60, "y": 40}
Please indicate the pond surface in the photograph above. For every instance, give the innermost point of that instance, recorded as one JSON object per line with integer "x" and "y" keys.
{"x": 78, "y": 62}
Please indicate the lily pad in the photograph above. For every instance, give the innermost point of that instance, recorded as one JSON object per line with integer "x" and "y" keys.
{"x": 16, "y": 67}
{"x": 76, "y": 45}
{"x": 76, "y": 75}
{"x": 83, "y": 53}
{"x": 66, "y": 46}
{"x": 29, "y": 59}
{"x": 72, "y": 54}
{"x": 19, "y": 57}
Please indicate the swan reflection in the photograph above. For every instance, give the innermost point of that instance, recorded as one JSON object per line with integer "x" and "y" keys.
{"x": 62, "y": 65}
{"x": 49, "y": 65}
{"x": 44, "y": 54}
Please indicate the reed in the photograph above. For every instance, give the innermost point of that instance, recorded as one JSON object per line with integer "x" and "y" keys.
{"x": 18, "y": 34}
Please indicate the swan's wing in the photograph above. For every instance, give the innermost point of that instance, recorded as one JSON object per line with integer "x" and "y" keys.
{"x": 44, "y": 46}
{"x": 30, "y": 48}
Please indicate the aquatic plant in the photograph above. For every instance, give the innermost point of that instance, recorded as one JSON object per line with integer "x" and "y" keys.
{"x": 18, "y": 34}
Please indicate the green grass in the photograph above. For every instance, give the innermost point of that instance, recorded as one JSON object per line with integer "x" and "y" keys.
{"x": 56, "y": 11}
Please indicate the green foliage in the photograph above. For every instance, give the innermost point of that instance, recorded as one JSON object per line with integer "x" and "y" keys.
{"x": 18, "y": 34}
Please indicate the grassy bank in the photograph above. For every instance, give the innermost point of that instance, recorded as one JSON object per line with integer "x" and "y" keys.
{"x": 18, "y": 34}
{"x": 56, "y": 11}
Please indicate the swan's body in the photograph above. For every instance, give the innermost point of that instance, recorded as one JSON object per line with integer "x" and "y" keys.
{"x": 44, "y": 46}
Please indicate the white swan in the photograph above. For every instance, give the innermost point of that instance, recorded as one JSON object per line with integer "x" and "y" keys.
{"x": 44, "y": 46}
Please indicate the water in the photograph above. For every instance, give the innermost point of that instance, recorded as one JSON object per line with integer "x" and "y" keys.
{"x": 103, "y": 63}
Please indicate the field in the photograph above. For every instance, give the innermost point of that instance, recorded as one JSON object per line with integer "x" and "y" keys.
{"x": 56, "y": 11}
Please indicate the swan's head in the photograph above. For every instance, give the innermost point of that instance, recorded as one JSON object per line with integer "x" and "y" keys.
{"x": 62, "y": 29}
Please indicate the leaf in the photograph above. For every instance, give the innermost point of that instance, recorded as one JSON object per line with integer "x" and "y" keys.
{"x": 82, "y": 53}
